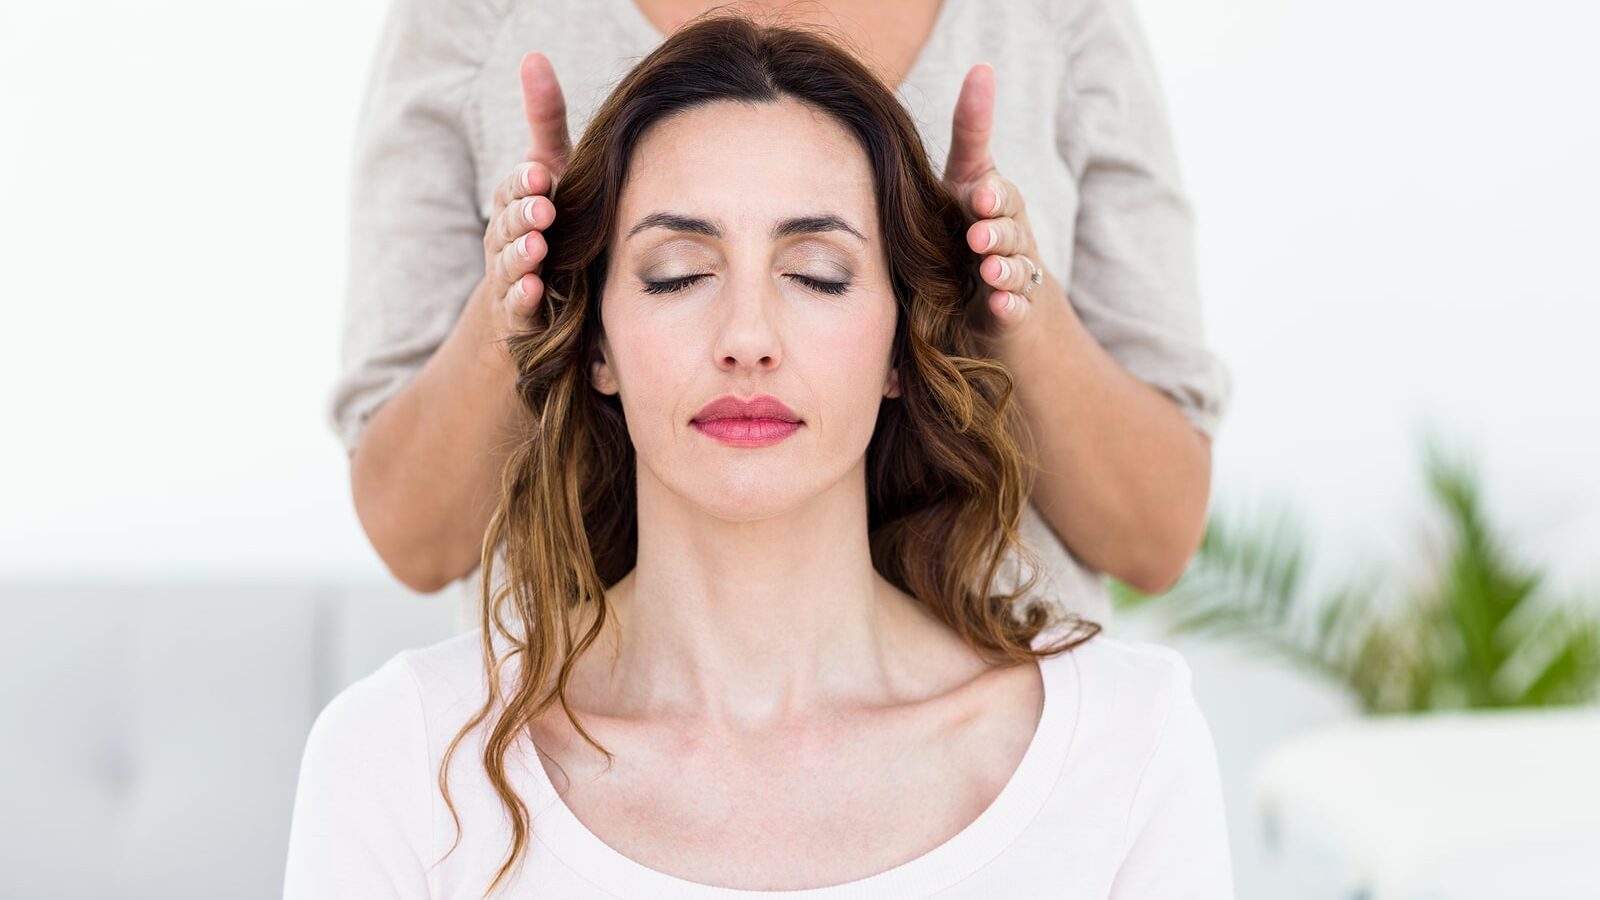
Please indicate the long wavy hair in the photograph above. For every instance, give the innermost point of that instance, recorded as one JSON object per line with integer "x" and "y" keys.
{"x": 949, "y": 467}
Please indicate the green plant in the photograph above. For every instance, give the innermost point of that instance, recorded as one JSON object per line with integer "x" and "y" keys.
{"x": 1471, "y": 630}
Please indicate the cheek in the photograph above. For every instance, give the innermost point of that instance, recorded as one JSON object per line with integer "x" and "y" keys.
{"x": 853, "y": 357}
{"x": 659, "y": 365}
{"x": 860, "y": 349}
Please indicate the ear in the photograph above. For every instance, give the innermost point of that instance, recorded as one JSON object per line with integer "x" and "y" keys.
{"x": 600, "y": 374}
{"x": 892, "y": 383}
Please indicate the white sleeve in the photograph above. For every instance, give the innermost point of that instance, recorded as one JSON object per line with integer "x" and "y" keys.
{"x": 1134, "y": 281}
{"x": 1176, "y": 847}
{"x": 415, "y": 235}
{"x": 363, "y": 819}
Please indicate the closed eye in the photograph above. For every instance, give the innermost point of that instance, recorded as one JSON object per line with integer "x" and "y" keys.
{"x": 826, "y": 287}
{"x": 674, "y": 285}
{"x": 671, "y": 286}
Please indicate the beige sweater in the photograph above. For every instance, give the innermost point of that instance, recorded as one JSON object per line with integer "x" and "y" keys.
{"x": 1080, "y": 128}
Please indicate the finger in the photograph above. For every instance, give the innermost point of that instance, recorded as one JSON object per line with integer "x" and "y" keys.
{"x": 999, "y": 236}
{"x": 1008, "y": 308}
{"x": 994, "y": 196}
{"x": 971, "y": 127}
{"x": 519, "y": 257}
{"x": 527, "y": 179}
{"x": 527, "y": 214}
{"x": 1006, "y": 273}
{"x": 522, "y": 298}
{"x": 546, "y": 112}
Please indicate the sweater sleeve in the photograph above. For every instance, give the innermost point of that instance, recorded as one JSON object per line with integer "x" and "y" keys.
{"x": 415, "y": 233}
{"x": 362, "y": 823}
{"x": 1133, "y": 281}
{"x": 1177, "y": 833}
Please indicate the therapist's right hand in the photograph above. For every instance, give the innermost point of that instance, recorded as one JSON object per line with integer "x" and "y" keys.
{"x": 513, "y": 244}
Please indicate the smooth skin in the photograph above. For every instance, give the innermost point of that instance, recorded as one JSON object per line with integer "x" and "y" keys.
{"x": 1123, "y": 479}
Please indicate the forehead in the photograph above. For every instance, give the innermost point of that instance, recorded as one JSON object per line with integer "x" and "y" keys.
{"x": 751, "y": 162}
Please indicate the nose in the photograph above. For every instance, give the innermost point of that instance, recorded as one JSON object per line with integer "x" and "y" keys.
{"x": 748, "y": 333}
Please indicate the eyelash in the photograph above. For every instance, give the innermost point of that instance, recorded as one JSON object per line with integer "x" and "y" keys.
{"x": 678, "y": 284}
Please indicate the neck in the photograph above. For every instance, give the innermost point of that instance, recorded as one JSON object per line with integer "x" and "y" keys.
{"x": 750, "y": 623}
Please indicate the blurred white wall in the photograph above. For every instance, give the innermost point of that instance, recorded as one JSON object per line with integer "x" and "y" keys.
{"x": 1397, "y": 203}
{"x": 172, "y": 197}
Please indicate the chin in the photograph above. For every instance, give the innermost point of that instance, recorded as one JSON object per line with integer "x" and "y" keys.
{"x": 742, "y": 500}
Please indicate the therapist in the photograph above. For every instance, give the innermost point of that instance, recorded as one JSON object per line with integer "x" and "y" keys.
{"x": 1050, "y": 124}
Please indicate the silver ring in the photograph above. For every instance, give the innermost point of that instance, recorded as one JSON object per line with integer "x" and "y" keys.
{"x": 1035, "y": 275}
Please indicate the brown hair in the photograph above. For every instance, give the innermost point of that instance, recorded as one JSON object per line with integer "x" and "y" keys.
{"x": 947, "y": 468}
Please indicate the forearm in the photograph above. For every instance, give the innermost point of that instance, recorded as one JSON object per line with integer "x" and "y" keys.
{"x": 1123, "y": 477}
{"x": 426, "y": 473}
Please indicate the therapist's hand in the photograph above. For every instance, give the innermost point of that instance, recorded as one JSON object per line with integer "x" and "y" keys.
{"x": 1000, "y": 234}
{"x": 513, "y": 244}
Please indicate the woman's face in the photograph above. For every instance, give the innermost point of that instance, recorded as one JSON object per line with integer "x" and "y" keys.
{"x": 748, "y": 262}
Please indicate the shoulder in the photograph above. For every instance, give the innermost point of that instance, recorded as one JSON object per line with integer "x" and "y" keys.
{"x": 380, "y": 709}
{"x": 1106, "y": 45}
{"x": 364, "y": 803}
{"x": 454, "y": 34}
{"x": 1067, "y": 14}
{"x": 395, "y": 704}
{"x": 451, "y": 19}
{"x": 373, "y": 749}
{"x": 1150, "y": 753}
{"x": 1140, "y": 664}
{"x": 1132, "y": 673}
{"x": 1139, "y": 698}
{"x": 451, "y": 666}
{"x": 1129, "y": 690}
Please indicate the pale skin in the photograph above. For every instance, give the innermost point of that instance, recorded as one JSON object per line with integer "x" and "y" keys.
{"x": 1123, "y": 478}
{"x": 761, "y": 685}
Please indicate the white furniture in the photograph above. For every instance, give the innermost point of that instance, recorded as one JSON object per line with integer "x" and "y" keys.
{"x": 152, "y": 735}
{"x": 1446, "y": 806}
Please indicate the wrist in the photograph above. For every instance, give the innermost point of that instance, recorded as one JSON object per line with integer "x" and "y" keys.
{"x": 1050, "y": 345}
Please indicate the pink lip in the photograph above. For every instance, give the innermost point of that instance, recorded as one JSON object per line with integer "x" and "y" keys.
{"x": 761, "y": 406}
{"x": 748, "y": 432}
{"x": 761, "y": 421}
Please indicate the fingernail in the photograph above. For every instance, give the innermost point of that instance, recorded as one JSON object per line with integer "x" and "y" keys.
{"x": 992, "y": 237}
{"x": 522, "y": 247}
{"x": 527, "y": 179}
{"x": 1005, "y": 269}
{"x": 528, "y": 210}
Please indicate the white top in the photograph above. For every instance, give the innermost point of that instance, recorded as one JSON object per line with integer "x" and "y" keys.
{"x": 1080, "y": 127}
{"x": 1118, "y": 795}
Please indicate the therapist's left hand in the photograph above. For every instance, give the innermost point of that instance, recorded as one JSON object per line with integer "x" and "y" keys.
{"x": 1000, "y": 233}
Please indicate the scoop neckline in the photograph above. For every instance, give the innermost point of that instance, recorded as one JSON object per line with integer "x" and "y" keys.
{"x": 646, "y": 32}
{"x": 968, "y": 850}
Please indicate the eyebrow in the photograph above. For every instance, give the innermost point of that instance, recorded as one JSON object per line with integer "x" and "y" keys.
{"x": 785, "y": 228}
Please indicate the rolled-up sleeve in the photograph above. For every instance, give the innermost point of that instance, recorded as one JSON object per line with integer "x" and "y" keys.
{"x": 415, "y": 232}
{"x": 1133, "y": 280}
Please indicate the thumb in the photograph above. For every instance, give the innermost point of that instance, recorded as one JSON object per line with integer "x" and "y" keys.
{"x": 546, "y": 111}
{"x": 971, "y": 127}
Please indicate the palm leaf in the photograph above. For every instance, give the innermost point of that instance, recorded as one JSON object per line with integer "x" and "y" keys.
{"x": 1473, "y": 632}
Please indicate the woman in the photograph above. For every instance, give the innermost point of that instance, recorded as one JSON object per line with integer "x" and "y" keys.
{"x": 1113, "y": 376}
{"x": 747, "y": 640}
